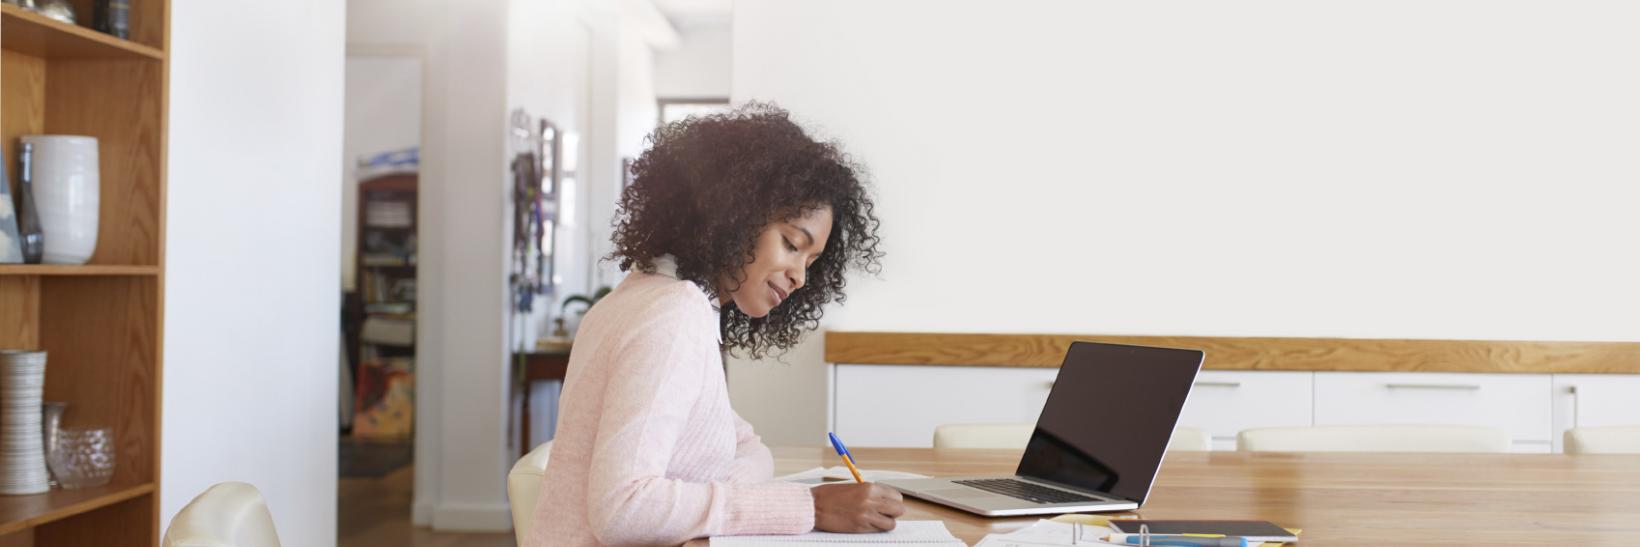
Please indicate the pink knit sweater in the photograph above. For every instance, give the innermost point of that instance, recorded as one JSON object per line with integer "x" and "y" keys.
{"x": 648, "y": 450}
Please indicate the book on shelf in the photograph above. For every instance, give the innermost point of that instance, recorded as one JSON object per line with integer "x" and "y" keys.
{"x": 386, "y": 260}
{"x": 390, "y": 308}
{"x": 389, "y": 214}
{"x": 382, "y": 288}
{"x": 391, "y": 331}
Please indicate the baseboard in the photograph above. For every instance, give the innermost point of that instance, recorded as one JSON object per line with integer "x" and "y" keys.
{"x": 472, "y": 517}
{"x": 421, "y": 513}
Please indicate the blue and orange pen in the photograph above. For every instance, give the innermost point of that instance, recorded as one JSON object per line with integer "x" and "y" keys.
{"x": 847, "y": 460}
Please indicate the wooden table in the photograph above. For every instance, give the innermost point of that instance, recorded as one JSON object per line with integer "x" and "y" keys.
{"x": 538, "y": 366}
{"x": 1337, "y": 499}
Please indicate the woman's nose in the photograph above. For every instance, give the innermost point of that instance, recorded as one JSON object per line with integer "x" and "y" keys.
{"x": 797, "y": 275}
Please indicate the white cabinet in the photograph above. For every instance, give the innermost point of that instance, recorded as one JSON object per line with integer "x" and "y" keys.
{"x": 899, "y": 405}
{"x": 1593, "y": 400}
{"x": 1224, "y": 402}
{"x": 1515, "y": 403}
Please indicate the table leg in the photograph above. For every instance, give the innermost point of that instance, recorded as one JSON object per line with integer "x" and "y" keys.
{"x": 524, "y": 420}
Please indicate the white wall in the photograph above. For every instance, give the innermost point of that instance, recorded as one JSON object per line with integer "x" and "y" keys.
{"x": 383, "y": 112}
{"x": 631, "y": 117}
{"x": 1454, "y": 169}
{"x": 251, "y": 257}
{"x": 471, "y": 252}
{"x": 700, "y": 67}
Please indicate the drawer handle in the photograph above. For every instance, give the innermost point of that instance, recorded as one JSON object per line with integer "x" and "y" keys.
{"x": 1217, "y": 384}
{"x": 1460, "y": 387}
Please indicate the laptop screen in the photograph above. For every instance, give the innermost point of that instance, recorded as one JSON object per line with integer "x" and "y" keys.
{"x": 1108, "y": 419}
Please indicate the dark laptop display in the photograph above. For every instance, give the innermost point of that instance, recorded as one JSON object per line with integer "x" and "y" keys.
{"x": 1107, "y": 423}
{"x": 1098, "y": 443}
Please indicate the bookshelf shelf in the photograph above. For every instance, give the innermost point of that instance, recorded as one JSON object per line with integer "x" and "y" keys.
{"x": 33, "y": 34}
{"x": 88, "y": 269}
{"x": 18, "y": 513}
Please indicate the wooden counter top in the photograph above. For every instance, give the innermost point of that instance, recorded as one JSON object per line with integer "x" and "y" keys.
{"x": 1246, "y": 353}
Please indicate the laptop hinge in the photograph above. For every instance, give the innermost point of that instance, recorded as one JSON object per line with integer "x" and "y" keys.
{"x": 1074, "y": 488}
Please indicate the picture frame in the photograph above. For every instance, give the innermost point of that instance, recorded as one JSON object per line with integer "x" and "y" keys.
{"x": 537, "y": 172}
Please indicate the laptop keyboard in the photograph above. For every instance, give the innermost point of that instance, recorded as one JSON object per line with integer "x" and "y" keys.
{"x": 1025, "y": 491}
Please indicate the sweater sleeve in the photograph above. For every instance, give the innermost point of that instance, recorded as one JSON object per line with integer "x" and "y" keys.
{"x": 658, "y": 375}
{"x": 753, "y": 461}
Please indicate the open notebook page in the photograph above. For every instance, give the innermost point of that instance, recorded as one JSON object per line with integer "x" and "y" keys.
{"x": 839, "y": 473}
{"x": 905, "y": 532}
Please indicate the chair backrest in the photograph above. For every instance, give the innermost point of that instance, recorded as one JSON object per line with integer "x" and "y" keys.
{"x": 1016, "y": 435}
{"x": 1190, "y": 439}
{"x": 1623, "y": 439}
{"x": 523, "y": 485}
{"x": 229, "y": 514}
{"x": 983, "y": 435}
{"x": 1374, "y": 438}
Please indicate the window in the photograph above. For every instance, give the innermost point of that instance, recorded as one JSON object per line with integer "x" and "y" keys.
{"x": 677, "y": 109}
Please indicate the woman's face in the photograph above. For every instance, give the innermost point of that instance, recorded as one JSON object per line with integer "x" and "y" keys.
{"x": 780, "y": 262}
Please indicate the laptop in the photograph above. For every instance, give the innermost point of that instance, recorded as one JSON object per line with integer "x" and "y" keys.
{"x": 1097, "y": 445}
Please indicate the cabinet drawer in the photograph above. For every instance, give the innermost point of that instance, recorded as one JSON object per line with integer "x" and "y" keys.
{"x": 1516, "y": 403}
{"x": 900, "y": 405}
{"x": 1225, "y": 402}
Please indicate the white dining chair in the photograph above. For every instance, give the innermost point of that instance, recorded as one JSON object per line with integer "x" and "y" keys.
{"x": 229, "y": 514}
{"x": 1190, "y": 439}
{"x": 1374, "y": 438}
{"x": 1622, "y": 439}
{"x": 523, "y": 485}
{"x": 1010, "y": 435}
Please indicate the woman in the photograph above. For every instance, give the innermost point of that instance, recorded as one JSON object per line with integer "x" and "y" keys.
{"x": 737, "y": 230}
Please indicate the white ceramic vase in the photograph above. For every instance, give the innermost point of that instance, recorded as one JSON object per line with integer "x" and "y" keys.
{"x": 67, "y": 193}
{"x": 22, "y": 448}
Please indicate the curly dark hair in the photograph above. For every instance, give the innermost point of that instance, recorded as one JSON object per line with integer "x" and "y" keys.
{"x": 708, "y": 185}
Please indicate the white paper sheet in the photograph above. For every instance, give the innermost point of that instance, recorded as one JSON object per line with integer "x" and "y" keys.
{"x": 1048, "y": 533}
{"x": 905, "y": 532}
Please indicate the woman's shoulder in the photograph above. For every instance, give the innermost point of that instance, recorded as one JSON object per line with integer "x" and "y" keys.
{"x": 650, "y": 295}
{"x": 648, "y": 310}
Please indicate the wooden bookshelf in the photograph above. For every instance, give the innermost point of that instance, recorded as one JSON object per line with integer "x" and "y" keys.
{"x": 101, "y": 323}
{"x": 385, "y": 266}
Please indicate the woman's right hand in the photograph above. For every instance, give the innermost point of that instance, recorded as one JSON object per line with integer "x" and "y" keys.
{"x": 856, "y": 507}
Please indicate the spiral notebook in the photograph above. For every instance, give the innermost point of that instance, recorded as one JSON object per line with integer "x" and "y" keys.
{"x": 905, "y": 532}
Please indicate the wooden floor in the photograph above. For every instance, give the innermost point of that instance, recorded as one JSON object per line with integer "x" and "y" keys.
{"x": 376, "y": 513}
